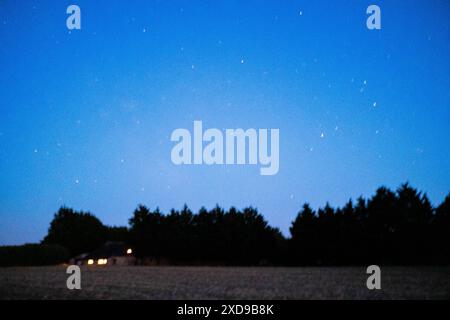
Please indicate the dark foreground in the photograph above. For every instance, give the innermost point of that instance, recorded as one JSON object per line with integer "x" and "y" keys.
{"x": 224, "y": 283}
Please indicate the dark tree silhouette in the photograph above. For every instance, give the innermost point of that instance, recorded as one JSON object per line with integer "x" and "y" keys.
{"x": 381, "y": 221}
{"x": 146, "y": 232}
{"x": 77, "y": 231}
{"x": 215, "y": 236}
{"x": 120, "y": 234}
{"x": 411, "y": 232}
{"x": 440, "y": 230}
{"x": 303, "y": 243}
{"x": 390, "y": 228}
{"x": 398, "y": 227}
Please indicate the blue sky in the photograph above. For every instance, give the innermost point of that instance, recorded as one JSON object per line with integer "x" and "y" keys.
{"x": 86, "y": 115}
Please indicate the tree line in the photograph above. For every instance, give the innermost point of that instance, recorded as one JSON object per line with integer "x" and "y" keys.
{"x": 391, "y": 227}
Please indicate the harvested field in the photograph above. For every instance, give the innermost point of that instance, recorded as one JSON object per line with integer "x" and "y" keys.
{"x": 224, "y": 283}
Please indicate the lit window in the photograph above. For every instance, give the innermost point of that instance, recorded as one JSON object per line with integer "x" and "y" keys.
{"x": 102, "y": 261}
{"x": 91, "y": 261}
{"x": 129, "y": 251}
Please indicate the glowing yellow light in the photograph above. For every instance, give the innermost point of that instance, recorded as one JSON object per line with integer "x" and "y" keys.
{"x": 129, "y": 251}
{"x": 91, "y": 261}
{"x": 102, "y": 261}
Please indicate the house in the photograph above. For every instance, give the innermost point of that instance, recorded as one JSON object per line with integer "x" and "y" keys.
{"x": 111, "y": 253}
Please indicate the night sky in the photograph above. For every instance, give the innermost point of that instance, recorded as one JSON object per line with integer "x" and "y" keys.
{"x": 86, "y": 115}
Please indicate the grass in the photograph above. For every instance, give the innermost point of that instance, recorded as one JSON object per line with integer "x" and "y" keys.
{"x": 224, "y": 283}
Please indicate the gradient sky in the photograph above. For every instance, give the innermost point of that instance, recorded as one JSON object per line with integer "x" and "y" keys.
{"x": 86, "y": 116}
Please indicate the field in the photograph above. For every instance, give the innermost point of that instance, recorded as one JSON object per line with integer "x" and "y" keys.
{"x": 224, "y": 283}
